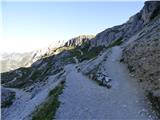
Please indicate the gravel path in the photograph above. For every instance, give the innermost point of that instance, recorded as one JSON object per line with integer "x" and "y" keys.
{"x": 84, "y": 99}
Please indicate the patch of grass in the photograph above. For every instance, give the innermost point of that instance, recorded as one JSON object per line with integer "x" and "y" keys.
{"x": 119, "y": 41}
{"x": 25, "y": 72}
{"x": 8, "y": 76}
{"x": 21, "y": 75}
{"x": 87, "y": 53}
{"x": 47, "y": 110}
{"x": 57, "y": 90}
{"x": 68, "y": 59}
{"x": 93, "y": 52}
{"x": 26, "y": 79}
{"x": 61, "y": 49}
{"x": 36, "y": 74}
{"x": 75, "y": 52}
{"x": 85, "y": 45}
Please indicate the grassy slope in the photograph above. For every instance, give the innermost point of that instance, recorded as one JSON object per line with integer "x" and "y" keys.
{"x": 47, "y": 110}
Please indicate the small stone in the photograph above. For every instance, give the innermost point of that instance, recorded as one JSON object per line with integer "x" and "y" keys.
{"x": 124, "y": 106}
{"x": 136, "y": 101}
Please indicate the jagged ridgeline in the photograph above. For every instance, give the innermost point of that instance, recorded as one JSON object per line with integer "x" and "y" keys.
{"x": 52, "y": 62}
{"x": 49, "y": 63}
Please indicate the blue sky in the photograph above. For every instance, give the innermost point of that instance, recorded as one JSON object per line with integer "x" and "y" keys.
{"x": 31, "y": 25}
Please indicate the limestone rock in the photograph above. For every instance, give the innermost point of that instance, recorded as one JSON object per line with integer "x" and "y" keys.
{"x": 143, "y": 56}
{"x": 150, "y": 10}
{"x": 77, "y": 41}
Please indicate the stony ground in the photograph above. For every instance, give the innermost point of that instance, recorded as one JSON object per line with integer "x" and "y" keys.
{"x": 84, "y": 99}
{"x": 27, "y": 101}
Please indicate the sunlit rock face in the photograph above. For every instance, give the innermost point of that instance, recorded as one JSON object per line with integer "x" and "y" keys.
{"x": 77, "y": 41}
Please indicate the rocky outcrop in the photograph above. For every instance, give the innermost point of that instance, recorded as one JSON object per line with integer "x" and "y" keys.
{"x": 39, "y": 71}
{"x": 132, "y": 26}
{"x": 77, "y": 41}
{"x": 142, "y": 56}
{"x": 44, "y": 62}
{"x": 150, "y": 11}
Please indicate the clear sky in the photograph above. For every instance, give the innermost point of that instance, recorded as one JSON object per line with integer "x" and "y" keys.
{"x": 31, "y": 25}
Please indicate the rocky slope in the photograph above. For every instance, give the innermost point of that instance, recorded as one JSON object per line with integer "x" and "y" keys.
{"x": 139, "y": 38}
{"x": 8, "y": 97}
{"x": 133, "y": 25}
{"x": 78, "y": 41}
{"x": 12, "y": 61}
{"x": 143, "y": 56}
{"x": 42, "y": 62}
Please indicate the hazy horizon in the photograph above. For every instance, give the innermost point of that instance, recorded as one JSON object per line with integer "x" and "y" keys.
{"x": 32, "y": 25}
